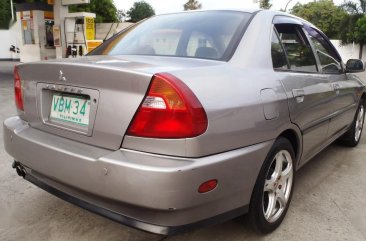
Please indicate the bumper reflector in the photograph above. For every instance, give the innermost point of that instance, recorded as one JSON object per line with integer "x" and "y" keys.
{"x": 207, "y": 186}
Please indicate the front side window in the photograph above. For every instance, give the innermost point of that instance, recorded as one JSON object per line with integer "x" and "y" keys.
{"x": 208, "y": 35}
{"x": 328, "y": 58}
{"x": 299, "y": 53}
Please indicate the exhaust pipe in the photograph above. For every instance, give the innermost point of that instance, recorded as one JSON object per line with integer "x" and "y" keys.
{"x": 19, "y": 169}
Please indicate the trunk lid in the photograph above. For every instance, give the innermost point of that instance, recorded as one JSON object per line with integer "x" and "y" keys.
{"x": 108, "y": 89}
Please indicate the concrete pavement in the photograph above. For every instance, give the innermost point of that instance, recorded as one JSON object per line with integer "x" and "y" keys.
{"x": 328, "y": 203}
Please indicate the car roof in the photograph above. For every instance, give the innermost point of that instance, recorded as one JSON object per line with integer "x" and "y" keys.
{"x": 213, "y": 10}
{"x": 245, "y": 10}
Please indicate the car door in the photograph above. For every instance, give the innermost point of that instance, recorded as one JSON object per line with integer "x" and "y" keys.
{"x": 344, "y": 104}
{"x": 309, "y": 93}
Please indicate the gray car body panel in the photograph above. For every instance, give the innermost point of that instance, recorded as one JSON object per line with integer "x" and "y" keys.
{"x": 125, "y": 79}
{"x": 121, "y": 180}
{"x": 248, "y": 105}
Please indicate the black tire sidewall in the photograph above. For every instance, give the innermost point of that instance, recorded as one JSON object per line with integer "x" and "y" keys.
{"x": 256, "y": 214}
{"x": 349, "y": 139}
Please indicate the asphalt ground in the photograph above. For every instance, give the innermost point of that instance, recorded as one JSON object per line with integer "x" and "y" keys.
{"x": 329, "y": 201}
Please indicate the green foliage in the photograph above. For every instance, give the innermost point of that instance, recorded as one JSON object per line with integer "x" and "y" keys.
{"x": 264, "y": 4}
{"x": 347, "y": 28}
{"x": 323, "y": 14}
{"x": 360, "y": 30}
{"x": 353, "y": 27}
{"x": 105, "y": 10}
{"x": 5, "y": 14}
{"x": 121, "y": 15}
{"x": 30, "y": 1}
{"x": 139, "y": 11}
{"x": 351, "y": 24}
{"x": 192, "y": 5}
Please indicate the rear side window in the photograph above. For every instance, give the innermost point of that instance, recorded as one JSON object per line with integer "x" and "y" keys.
{"x": 278, "y": 54}
{"x": 328, "y": 58}
{"x": 208, "y": 35}
{"x": 299, "y": 53}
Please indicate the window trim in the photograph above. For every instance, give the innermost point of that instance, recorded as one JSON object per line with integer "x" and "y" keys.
{"x": 282, "y": 19}
{"x": 315, "y": 51}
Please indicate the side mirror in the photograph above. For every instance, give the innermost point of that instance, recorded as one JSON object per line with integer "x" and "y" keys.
{"x": 354, "y": 66}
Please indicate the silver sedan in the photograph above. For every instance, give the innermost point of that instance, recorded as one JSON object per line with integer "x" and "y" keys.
{"x": 186, "y": 119}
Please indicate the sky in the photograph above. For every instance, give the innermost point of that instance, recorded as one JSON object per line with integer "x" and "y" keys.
{"x": 167, "y": 6}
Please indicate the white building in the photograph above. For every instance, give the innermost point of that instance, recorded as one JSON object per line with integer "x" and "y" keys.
{"x": 8, "y": 38}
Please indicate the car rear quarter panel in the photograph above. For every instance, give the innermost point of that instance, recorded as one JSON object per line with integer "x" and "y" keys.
{"x": 231, "y": 96}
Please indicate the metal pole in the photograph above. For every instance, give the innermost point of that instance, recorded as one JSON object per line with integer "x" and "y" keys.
{"x": 60, "y": 13}
{"x": 12, "y": 10}
{"x": 287, "y": 5}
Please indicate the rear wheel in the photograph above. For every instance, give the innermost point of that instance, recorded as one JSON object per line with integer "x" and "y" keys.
{"x": 352, "y": 136}
{"x": 273, "y": 190}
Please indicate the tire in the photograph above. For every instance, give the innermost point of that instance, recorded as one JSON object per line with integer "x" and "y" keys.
{"x": 273, "y": 189}
{"x": 353, "y": 135}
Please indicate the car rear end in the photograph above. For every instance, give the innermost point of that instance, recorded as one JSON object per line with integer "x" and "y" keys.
{"x": 70, "y": 139}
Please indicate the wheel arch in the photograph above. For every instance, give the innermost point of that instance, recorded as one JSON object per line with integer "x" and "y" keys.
{"x": 294, "y": 136}
{"x": 363, "y": 98}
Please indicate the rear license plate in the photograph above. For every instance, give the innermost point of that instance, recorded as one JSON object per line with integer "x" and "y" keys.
{"x": 71, "y": 109}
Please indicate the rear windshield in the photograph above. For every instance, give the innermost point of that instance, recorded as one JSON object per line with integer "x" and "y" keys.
{"x": 207, "y": 35}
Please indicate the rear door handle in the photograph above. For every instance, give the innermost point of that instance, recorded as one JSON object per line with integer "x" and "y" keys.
{"x": 299, "y": 95}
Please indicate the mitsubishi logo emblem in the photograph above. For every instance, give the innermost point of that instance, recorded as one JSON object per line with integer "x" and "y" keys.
{"x": 61, "y": 77}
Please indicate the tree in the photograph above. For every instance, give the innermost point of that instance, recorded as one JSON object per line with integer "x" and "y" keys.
{"x": 192, "y": 5}
{"x": 360, "y": 30}
{"x": 30, "y": 1}
{"x": 347, "y": 28}
{"x": 121, "y": 15}
{"x": 5, "y": 14}
{"x": 354, "y": 7}
{"x": 264, "y": 4}
{"x": 352, "y": 25}
{"x": 105, "y": 10}
{"x": 359, "y": 33}
{"x": 139, "y": 11}
{"x": 323, "y": 14}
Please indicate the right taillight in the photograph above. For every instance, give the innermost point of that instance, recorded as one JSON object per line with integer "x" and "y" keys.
{"x": 18, "y": 90}
{"x": 169, "y": 110}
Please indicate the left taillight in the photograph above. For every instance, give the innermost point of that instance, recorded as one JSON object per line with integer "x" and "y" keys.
{"x": 170, "y": 110}
{"x": 18, "y": 90}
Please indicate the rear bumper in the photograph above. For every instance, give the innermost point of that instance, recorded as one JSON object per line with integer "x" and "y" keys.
{"x": 117, "y": 217}
{"x": 151, "y": 192}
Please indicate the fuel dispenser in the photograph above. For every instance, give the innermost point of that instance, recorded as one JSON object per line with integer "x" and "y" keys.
{"x": 80, "y": 34}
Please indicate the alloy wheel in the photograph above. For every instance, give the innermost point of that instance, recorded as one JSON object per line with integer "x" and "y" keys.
{"x": 359, "y": 123}
{"x": 277, "y": 186}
